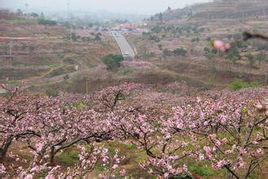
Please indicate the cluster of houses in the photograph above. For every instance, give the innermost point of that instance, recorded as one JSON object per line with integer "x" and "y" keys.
{"x": 128, "y": 27}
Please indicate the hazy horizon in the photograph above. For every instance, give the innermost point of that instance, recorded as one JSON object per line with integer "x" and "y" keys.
{"x": 115, "y": 6}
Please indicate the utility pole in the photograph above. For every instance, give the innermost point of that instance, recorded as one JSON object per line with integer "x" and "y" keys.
{"x": 69, "y": 19}
{"x": 26, "y": 7}
{"x": 10, "y": 49}
{"x": 10, "y": 53}
{"x": 86, "y": 80}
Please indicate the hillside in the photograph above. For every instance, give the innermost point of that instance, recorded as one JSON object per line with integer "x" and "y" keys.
{"x": 44, "y": 55}
{"x": 219, "y": 9}
{"x": 191, "y": 30}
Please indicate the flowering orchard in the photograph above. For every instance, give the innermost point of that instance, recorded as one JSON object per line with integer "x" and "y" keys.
{"x": 226, "y": 129}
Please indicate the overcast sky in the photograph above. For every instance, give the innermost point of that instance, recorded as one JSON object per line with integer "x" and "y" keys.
{"x": 120, "y": 6}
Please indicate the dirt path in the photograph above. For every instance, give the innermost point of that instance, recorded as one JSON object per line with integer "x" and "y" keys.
{"x": 27, "y": 38}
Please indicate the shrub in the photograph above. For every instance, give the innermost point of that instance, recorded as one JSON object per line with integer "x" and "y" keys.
{"x": 210, "y": 52}
{"x": 146, "y": 34}
{"x": 52, "y": 92}
{"x": 196, "y": 39}
{"x": 261, "y": 58}
{"x": 251, "y": 59}
{"x": 167, "y": 52}
{"x": 154, "y": 38}
{"x": 180, "y": 52}
{"x": 112, "y": 62}
{"x": 233, "y": 55}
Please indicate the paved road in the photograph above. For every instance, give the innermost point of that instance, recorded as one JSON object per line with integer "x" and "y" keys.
{"x": 126, "y": 50}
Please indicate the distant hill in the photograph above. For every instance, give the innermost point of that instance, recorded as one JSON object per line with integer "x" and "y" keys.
{"x": 219, "y": 9}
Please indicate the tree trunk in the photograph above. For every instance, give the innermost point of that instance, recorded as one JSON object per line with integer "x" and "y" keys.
{"x": 52, "y": 155}
{"x": 5, "y": 147}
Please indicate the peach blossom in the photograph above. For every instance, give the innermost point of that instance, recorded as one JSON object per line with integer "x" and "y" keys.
{"x": 218, "y": 44}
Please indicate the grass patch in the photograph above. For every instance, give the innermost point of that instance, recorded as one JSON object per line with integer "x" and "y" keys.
{"x": 54, "y": 65}
{"x": 211, "y": 83}
{"x": 131, "y": 146}
{"x": 99, "y": 168}
{"x": 125, "y": 71}
{"x": 14, "y": 82}
{"x": 52, "y": 91}
{"x": 68, "y": 157}
{"x": 20, "y": 21}
{"x": 60, "y": 71}
{"x": 200, "y": 169}
{"x": 240, "y": 84}
{"x": 42, "y": 174}
{"x": 133, "y": 156}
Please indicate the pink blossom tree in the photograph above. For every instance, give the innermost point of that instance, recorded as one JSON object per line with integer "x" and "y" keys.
{"x": 228, "y": 129}
{"x": 233, "y": 126}
{"x": 165, "y": 152}
{"x": 13, "y": 125}
{"x": 108, "y": 98}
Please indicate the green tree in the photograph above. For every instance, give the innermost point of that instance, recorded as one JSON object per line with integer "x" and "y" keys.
{"x": 33, "y": 14}
{"x": 19, "y": 12}
{"x": 112, "y": 62}
{"x": 98, "y": 37}
{"x": 156, "y": 29}
{"x": 42, "y": 15}
{"x": 160, "y": 16}
{"x": 74, "y": 37}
